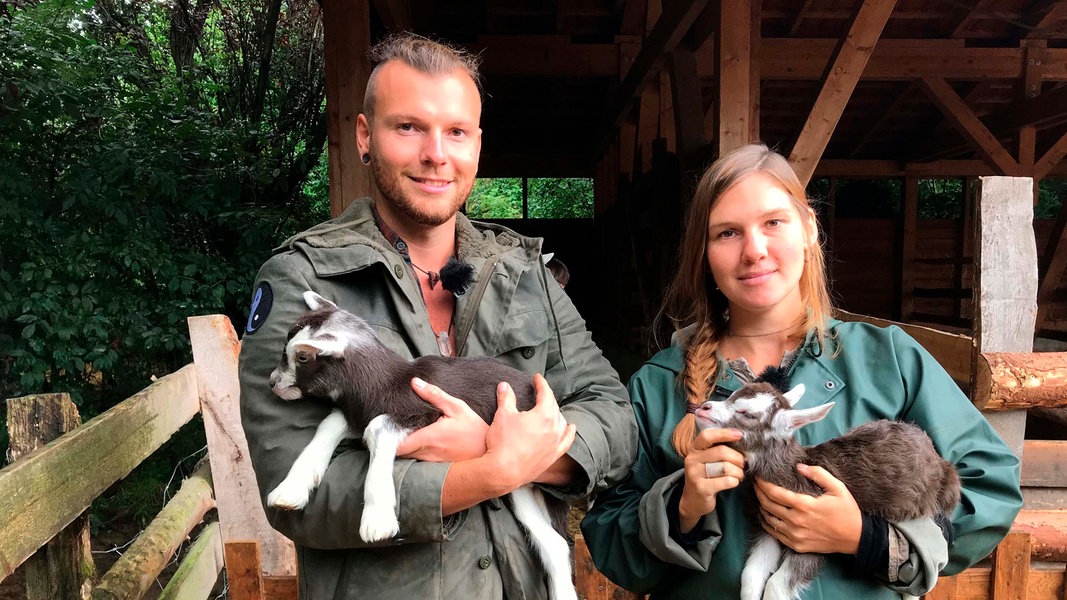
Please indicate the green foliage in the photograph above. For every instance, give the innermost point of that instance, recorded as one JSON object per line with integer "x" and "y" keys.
{"x": 499, "y": 198}
{"x": 1051, "y": 195}
{"x": 547, "y": 198}
{"x": 941, "y": 198}
{"x": 148, "y": 169}
{"x": 560, "y": 198}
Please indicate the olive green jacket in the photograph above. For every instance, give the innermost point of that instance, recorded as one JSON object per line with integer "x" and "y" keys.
{"x": 513, "y": 311}
{"x": 875, "y": 374}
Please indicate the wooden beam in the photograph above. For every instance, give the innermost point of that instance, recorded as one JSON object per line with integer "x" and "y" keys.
{"x": 734, "y": 50}
{"x": 1045, "y": 18}
{"x": 137, "y": 569}
{"x": 1007, "y": 380}
{"x": 840, "y": 80}
{"x": 688, "y": 102}
{"x": 1044, "y": 111}
{"x": 1052, "y": 157}
{"x": 951, "y": 350}
{"x": 798, "y": 17}
{"x": 805, "y": 59}
{"x": 968, "y": 124}
{"x": 546, "y": 56}
{"x": 1054, "y": 257}
{"x": 669, "y": 29}
{"x": 940, "y": 169}
{"x": 961, "y": 27}
{"x": 346, "y": 39}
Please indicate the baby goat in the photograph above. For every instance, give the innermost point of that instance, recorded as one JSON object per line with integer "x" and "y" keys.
{"x": 891, "y": 468}
{"x": 334, "y": 355}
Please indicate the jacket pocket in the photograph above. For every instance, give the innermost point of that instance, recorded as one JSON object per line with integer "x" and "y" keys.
{"x": 523, "y": 342}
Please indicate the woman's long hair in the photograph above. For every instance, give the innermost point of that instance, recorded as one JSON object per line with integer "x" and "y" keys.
{"x": 693, "y": 298}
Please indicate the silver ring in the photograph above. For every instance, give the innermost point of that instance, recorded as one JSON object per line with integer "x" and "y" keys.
{"x": 714, "y": 469}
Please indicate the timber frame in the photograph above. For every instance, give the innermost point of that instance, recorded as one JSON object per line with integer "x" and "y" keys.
{"x": 641, "y": 94}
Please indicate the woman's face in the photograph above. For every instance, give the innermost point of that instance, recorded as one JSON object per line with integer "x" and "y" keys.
{"x": 756, "y": 248}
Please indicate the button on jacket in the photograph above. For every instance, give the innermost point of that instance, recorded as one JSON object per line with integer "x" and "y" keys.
{"x": 510, "y": 312}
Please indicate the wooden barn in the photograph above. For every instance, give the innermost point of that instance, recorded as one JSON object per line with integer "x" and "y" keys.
{"x": 931, "y": 133}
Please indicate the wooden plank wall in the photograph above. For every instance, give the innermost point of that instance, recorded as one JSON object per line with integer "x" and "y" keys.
{"x": 863, "y": 272}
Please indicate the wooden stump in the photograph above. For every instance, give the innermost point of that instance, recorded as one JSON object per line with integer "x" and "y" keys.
{"x": 63, "y": 569}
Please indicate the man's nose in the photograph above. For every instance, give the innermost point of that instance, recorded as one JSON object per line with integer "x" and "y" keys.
{"x": 433, "y": 149}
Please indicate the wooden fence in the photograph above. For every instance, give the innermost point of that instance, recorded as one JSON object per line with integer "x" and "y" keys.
{"x": 59, "y": 468}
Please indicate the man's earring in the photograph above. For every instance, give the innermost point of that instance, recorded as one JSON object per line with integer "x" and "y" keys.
{"x": 365, "y": 158}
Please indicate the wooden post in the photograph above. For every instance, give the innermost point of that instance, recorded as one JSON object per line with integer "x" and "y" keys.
{"x": 733, "y": 46}
{"x": 346, "y": 39}
{"x": 63, "y": 569}
{"x": 241, "y": 514}
{"x": 1006, "y": 280}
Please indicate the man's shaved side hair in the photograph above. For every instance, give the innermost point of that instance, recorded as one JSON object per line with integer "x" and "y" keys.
{"x": 422, "y": 54}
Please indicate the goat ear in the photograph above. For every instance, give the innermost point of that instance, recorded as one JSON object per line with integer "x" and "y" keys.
{"x": 320, "y": 347}
{"x": 788, "y": 421}
{"x": 315, "y": 301}
{"x": 793, "y": 395}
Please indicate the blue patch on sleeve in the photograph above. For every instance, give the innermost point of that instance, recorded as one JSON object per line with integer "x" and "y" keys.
{"x": 261, "y": 303}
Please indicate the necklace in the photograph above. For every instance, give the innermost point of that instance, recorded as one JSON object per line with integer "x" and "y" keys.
{"x": 731, "y": 333}
{"x": 434, "y": 276}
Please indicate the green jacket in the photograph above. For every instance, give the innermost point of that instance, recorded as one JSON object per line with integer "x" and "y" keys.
{"x": 513, "y": 311}
{"x": 877, "y": 374}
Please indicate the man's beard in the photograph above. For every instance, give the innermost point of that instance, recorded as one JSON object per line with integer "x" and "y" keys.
{"x": 392, "y": 192}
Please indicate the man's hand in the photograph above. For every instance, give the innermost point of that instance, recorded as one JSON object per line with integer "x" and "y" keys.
{"x": 524, "y": 445}
{"x": 458, "y": 435}
{"x": 828, "y": 523}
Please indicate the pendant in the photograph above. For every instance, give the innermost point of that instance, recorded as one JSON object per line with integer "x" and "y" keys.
{"x": 444, "y": 343}
{"x": 433, "y": 277}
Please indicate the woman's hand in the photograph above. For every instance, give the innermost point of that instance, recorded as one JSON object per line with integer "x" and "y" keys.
{"x": 828, "y": 523}
{"x": 710, "y": 467}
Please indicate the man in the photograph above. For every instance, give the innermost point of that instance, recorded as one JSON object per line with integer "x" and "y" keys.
{"x": 419, "y": 134}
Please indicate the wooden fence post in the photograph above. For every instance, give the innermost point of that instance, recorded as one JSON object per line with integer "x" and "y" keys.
{"x": 241, "y": 515}
{"x": 63, "y": 569}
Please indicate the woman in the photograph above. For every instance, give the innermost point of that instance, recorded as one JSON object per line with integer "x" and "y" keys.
{"x": 751, "y": 292}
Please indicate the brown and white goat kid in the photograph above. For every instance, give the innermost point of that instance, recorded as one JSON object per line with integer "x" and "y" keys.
{"x": 334, "y": 355}
{"x": 891, "y": 468}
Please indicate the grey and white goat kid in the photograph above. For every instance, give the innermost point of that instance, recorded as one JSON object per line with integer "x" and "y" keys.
{"x": 334, "y": 355}
{"x": 891, "y": 469}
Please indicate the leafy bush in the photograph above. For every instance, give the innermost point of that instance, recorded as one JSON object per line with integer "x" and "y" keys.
{"x": 147, "y": 172}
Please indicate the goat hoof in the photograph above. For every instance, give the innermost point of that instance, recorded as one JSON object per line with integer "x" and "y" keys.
{"x": 288, "y": 497}
{"x": 378, "y": 524}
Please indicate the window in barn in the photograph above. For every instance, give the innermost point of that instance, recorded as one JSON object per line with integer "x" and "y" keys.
{"x": 531, "y": 198}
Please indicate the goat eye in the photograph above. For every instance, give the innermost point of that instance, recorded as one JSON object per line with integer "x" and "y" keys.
{"x": 303, "y": 358}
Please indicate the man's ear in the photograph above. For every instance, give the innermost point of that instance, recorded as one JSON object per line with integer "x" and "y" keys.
{"x": 362, "y": 134}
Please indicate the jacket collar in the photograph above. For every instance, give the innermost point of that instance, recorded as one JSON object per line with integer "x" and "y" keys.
{"x": 673, "y": 357}
{"x": 355, "y": 229}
